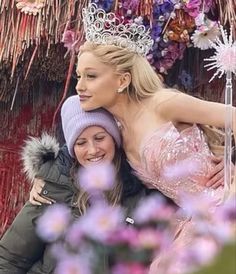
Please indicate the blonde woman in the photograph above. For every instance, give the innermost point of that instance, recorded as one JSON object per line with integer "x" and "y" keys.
{"x": 164, "y": 134}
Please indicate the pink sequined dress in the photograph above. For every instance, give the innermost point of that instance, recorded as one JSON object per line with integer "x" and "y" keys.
{"x": 175, "y": 162}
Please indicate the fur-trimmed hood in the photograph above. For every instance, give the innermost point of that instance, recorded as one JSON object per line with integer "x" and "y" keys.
{"x": 36, "y": 151}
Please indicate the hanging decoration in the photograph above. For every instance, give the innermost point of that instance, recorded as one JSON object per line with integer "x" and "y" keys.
{"x": 175, "y": 25}
{"x": 227, "y": 13}
{"x": 26, "y": 24}
{"x": 31, "y": 6}
{"x": 224, "y": 61}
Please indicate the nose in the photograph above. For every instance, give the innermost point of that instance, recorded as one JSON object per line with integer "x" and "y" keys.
{"x": 80, "y": 86}
{"x": 92, "y": 148}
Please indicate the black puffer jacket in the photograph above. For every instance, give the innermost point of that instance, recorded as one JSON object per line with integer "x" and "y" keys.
{"x": 21, "y": 250}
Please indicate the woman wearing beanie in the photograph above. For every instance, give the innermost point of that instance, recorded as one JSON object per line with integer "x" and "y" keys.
{"x": 91, "y": 137}
{"x": 21, "y": 251}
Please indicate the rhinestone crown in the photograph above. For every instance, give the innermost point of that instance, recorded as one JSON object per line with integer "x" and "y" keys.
{"x": 107, "y": 29}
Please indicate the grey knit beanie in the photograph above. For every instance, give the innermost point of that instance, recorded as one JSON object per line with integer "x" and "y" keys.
{"x": 75, "y": 120}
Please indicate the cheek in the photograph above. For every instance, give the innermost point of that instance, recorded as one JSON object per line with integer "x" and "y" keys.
{"x": 106, "y": 85}
{"x": 110, "y": 149}
{"x": 79, "y": 155}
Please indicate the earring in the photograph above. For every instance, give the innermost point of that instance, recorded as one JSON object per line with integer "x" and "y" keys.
{"x": 119, "y": 90}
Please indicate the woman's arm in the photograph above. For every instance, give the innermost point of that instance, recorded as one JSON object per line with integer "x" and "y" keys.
{"x": 182, "y": 108}
{"x": 188, "y": 109}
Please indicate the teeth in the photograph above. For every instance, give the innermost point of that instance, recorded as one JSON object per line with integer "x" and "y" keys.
{"x": 96, "y": 159}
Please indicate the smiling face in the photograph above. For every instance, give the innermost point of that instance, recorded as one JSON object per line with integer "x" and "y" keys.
{"x": 97, "y": 82}
{"x": 94, "y": 146}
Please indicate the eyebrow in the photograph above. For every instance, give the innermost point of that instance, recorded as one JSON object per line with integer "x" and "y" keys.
{"x": 86, "y": 69}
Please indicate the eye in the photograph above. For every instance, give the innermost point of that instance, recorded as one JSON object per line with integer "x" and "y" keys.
{"x": 99, "y": 138}
{"x": 80, "y": 143}
{"x": 91, "y": 76}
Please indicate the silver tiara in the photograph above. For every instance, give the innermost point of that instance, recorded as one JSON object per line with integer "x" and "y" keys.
{"x": 107, "y": 29}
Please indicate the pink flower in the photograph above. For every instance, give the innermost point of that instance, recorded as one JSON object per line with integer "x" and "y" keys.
{"x": 69, "y": 38}
{"x": 130, "y": 268}
{"x": 53, "y": 223}
{"x": 123, "y": 235}
{"x": 149, "y": 238}
{"x": 192, "y": 7}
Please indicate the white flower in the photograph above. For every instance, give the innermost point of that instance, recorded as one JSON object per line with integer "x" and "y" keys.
{"x": 205, "y": 34}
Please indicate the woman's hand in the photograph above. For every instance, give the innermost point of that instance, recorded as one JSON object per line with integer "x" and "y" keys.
{"x": 35, "y": 194}
{"x": 216, "y": 177}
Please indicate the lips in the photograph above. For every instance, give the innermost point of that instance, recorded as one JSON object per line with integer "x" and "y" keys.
{"x": 84, "y": 97}
{"x": 96, "y": 159}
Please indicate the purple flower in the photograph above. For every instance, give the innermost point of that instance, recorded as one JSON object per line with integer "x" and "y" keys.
{"x": 192, "y": 7}
{"x": 130, "y": 268}
{"x": 191, "y": 257}
{"x": 156, "y": 31}
{"x": 166, "y": 8}
{"x": 53, "y": 223}
{"x": 74, "y": 234}
{"x": 227, "y": 212}
{"x": 96, "y": 178}
{"x": 131, "y": 5}
{"x": 153, "y": 208}
{"x": 200, "y": 205}
{"x": 186, "y": 80}
{"x": 58, "y": 251}
{"x": 106, "y": 5}
{"x": 72, "y": 265}
{"x": 123, "y": 235}
{"x": 100, "y": 221}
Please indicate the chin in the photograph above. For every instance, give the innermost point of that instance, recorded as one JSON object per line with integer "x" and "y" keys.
{"x": 86, "y": 106}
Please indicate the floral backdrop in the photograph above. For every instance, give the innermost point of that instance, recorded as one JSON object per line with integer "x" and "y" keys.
{"x": 39, "y": 40}
{"x": 181, "y": 30}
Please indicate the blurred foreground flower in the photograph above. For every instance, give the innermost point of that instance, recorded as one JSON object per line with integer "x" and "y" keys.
{"x": 54, "y": 222}
{"x": 100, "y": 221}
{"x": 96, "y": 177}
{"x": 101, "y": 235}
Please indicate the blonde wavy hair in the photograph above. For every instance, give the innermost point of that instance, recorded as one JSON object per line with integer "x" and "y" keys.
{"x": 145, "y": 81}
{"x": 113, "y": 196}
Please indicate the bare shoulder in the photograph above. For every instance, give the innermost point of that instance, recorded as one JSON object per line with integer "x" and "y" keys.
{"x": 164, "y": 99}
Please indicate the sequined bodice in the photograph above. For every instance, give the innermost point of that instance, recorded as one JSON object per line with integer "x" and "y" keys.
{"x": 176, "y": 162}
